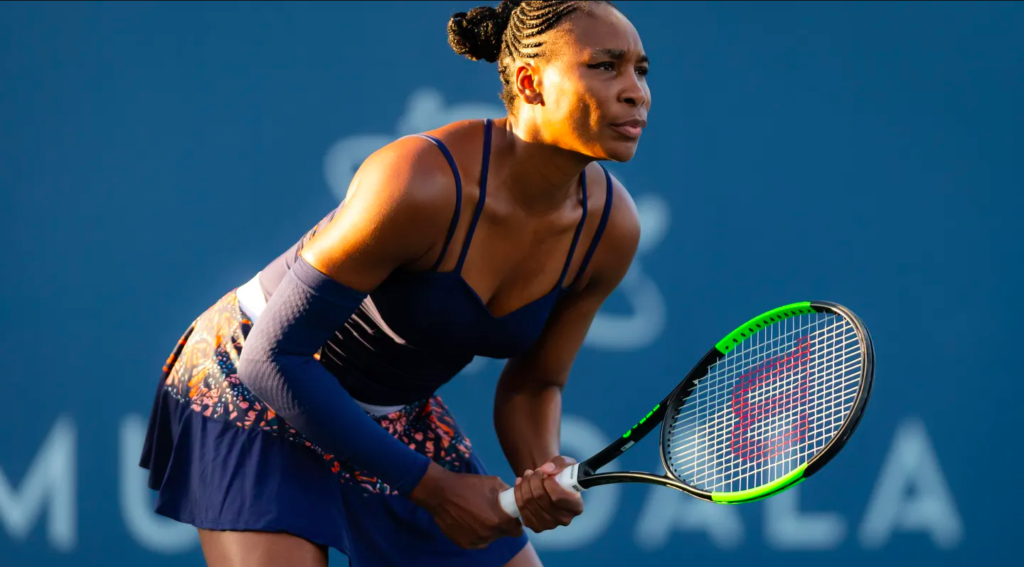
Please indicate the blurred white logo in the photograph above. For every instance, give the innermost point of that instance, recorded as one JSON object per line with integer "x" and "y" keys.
{"x": 425, "y": 110}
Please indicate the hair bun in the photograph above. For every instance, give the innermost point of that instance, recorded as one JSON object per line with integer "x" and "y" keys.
{"x": 478, "y": 33}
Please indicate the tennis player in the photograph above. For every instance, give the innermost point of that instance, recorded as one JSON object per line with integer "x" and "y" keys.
{"x": 298, "y": 413}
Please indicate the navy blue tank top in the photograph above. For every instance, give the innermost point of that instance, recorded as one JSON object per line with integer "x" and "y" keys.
{"x": 417, "y": 330}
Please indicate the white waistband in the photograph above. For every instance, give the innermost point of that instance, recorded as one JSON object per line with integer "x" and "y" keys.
{"x": 252, "y": 302}
{"x": 250, "y": 298}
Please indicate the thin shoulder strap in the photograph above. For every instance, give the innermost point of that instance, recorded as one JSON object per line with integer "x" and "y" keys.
{"x": 483, "y": 196}
{"x": 579, "y": 230}
{"x": 601, "y": 226}
{"x": 458, "y": 197}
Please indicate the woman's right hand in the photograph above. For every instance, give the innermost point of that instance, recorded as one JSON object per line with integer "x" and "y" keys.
{"x": 465, "y": 506}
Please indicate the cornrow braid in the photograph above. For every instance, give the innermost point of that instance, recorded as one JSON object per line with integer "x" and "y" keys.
{"x": 508, "y": 33}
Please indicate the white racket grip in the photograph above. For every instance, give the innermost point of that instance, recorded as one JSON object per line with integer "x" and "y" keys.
{"x": 508, "y": 502}
{"x": 566, "y": 479}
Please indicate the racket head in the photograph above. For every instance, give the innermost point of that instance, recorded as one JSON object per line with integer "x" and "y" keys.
{"x": 770, "y": 404}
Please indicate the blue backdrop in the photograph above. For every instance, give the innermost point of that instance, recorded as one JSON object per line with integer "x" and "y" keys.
{"x": 866, "y": 153}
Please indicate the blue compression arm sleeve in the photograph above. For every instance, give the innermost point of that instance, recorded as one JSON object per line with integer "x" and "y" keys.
{"x": 277, "y": 365}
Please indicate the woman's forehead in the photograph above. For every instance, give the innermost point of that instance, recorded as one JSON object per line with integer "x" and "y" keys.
{"x": 602, "y": 29}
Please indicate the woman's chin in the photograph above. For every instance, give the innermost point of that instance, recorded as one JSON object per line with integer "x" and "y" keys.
{"x": 621, "y": 151}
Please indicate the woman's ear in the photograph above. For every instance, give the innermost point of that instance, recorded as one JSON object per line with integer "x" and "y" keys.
{"x": 528, "y": 83}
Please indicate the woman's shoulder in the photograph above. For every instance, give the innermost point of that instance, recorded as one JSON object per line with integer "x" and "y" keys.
{"x": 621, "y": 236}
{"x": 460, "y": 132}
{"x": 422, "y": 169}
{"x": 411, "y": 173}
{"x": 399, "y": 204}
{"x": 602, "y": 184}
{"x": 397, "y": 211}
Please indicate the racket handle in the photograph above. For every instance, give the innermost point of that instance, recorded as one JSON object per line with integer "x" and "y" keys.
{"x": 566, "y": 479}
{"x": 508, "y": 502}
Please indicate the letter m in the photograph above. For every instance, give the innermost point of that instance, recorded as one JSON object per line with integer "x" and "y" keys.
{"x": 50, "y": 483}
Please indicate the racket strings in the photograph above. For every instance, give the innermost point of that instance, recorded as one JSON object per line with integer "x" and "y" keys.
{"x": 843, "y": 350}
{"x": 769, "y": 406}
{"x": 773, "y": 383}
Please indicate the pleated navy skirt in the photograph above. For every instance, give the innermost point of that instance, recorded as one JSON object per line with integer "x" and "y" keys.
{"x": 221, "y": 459}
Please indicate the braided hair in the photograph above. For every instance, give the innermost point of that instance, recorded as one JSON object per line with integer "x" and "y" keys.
{"x": 507, "y": 33}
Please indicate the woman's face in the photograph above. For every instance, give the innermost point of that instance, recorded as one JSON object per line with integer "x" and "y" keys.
{"x": 591, "y": 85}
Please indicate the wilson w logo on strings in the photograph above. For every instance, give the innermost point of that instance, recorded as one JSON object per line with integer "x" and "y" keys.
{"x": 770, "y": 410}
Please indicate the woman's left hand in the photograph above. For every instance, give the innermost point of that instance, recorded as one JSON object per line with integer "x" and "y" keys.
{"x": 543, "y": 503}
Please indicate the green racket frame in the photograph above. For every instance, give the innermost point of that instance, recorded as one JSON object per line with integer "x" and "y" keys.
{"x": 587, "y": 475}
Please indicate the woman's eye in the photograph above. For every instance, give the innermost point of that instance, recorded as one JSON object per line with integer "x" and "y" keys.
{"x": 642, "y": 71}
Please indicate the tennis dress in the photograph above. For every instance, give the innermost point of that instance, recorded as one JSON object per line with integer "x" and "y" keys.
{"x": 221, "y": 459}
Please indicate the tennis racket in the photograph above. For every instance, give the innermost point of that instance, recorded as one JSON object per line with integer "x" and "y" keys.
{"x": 766, "y": 408}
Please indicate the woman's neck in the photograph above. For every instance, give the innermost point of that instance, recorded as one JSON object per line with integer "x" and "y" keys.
{"x": 542, "y": 176}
